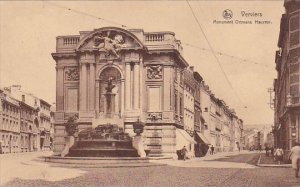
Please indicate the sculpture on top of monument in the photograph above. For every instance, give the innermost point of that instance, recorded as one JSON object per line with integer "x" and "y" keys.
{"x": 111, "y": 45}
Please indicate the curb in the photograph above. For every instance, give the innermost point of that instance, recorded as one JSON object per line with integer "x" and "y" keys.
{"x": 272, "y": 165}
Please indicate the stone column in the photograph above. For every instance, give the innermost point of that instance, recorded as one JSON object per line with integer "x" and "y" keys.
{"x": 127, "y": 86}
{"x": 97, "y": 97}
{"x": 83, "y": 87}
{"x": 136, "y": 84}
{"x": 59, "y": 88}
{"x": 92, "y": 86}
{"x": 122, "y": 96}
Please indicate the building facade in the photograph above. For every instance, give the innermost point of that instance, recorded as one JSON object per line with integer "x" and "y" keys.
{"x": 286, "y": 85}
{"x": 221, "y": 126}
{"x": 9, "y": 124}
{"x": 25, "y": 124}
{"x": 117, "y": 76}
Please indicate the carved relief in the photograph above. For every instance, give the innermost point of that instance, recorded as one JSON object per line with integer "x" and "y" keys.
{"x": 153, "y": 116}
{"x": 110, "y": 43}
{"x": 72, "y": 74}
{"x": 154, "y": 72}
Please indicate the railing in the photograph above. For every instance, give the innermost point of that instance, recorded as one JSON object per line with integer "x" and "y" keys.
{"x": 162, "y": 40}
{"x": 70, "y": 40}
{"x": 66, "y": 43}
{"x": 154, "y": 37}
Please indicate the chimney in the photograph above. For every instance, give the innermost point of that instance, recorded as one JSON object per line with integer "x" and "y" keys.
{"x": 23, "y": 98}
{"x": 192, "y": 68}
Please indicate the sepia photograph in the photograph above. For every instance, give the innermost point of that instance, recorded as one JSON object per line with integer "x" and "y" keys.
{"x": 139, "y": 93}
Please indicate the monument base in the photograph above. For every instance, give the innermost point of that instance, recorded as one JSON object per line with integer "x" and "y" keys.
{"x": 103, "y": 141}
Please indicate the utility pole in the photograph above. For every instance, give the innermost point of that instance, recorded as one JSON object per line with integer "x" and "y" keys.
{"x": 271, "y": 102}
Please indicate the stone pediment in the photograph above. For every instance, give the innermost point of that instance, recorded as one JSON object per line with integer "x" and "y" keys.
{"x": 110, "y": 40}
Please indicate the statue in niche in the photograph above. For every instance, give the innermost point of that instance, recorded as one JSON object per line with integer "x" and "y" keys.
{"x": 110, "y": 85}
{"x": 109, "y": 95}
{"x": 110, "y": 45}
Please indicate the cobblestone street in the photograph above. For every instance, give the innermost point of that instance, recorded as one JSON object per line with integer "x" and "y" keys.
{"x": 183, "y": 174}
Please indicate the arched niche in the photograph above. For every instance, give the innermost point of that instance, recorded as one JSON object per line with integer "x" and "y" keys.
{"x": 110, "y": 92}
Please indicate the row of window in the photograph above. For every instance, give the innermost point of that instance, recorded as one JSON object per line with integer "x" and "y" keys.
{"x": 9, "y": 125}
{"x": 7, "y": 139}
{"x": 10, "y": 110}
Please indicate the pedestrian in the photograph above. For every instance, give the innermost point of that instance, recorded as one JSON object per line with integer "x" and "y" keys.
{"x": 212, "y": 149}
{"x": 295, "y": 157}
{"x": 272, "y": 151}
{"x": 267, "y": 150}
{"x": 279, "y": 155}
{"x": 184, "y": 152}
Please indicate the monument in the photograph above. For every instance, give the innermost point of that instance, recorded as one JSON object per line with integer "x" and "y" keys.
{"x": 113, "y": 79}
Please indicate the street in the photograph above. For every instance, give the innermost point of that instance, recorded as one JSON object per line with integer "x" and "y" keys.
{"x": 231, "y": 170}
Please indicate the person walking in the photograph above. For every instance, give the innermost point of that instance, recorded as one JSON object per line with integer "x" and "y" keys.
{"x": 212, "y": 149}
{"x": 295, "y": 157}
{"x": 279, "y": 155}
{"x": 267, "y": 151}
{"x": 184, "y": 152}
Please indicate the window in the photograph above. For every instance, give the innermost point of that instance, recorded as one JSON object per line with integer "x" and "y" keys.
{"x": 181, "y": 105}
{"x": 176, "y": 102}
{"x": 294, "y": 31}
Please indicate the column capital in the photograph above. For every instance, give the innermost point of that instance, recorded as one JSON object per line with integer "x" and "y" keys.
{"x": 83, "y": 61}
{"x": 59, "y": 67}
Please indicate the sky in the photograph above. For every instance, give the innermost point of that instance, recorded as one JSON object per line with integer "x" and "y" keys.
{"x": 28, "y": 31}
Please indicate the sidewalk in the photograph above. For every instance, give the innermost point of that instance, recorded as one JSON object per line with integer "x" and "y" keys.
{"x": 27, "y": 154}
{"x": 222, "y": 155}
{"x": 209, "y": 161}
{"x": 269, "y": 161}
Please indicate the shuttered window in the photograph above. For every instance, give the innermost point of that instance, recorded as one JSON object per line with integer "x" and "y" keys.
{"x": 294, "y": 33}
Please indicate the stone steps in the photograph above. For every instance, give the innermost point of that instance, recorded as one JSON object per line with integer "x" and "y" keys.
{"x": 100, "y": 162}
{"x": 102, "y": 152}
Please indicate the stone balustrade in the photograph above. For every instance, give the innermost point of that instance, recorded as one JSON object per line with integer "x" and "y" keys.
{"x": 162, "y": 40}
{"x": 155, "y": 40}
{"x": 66, "y": 43}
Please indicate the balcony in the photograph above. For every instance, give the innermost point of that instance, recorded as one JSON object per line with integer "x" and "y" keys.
{"x": 66, "y": 43}
{"x": 162, "y": 40}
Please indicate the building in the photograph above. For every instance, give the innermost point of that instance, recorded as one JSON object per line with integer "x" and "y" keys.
{"x": 9, "y": 124}
{"x": 286, "y": 85}
{"x": 45, "y": 125}
{"x": 25, "y": 121}
{"x": 42, "y": 120}
{"x": 29, "y": 128}
{"x": 258, "y": 136}
{"x": 117, "y": 76}
{"x": 221, "y": 126}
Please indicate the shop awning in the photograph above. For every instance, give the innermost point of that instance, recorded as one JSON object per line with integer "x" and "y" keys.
{"x": 202, "y": 120}
{"x": 187, "y": 136}
{"x": 183, "y": 139}
{"x": 203, "y": 138}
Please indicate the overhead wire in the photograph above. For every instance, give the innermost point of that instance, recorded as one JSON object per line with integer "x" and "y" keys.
{"x": 86, "y": 14}
{"x": 214, "y": 53}
{"x": 242, "y": 60}
{"x": 122, "y": 25}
